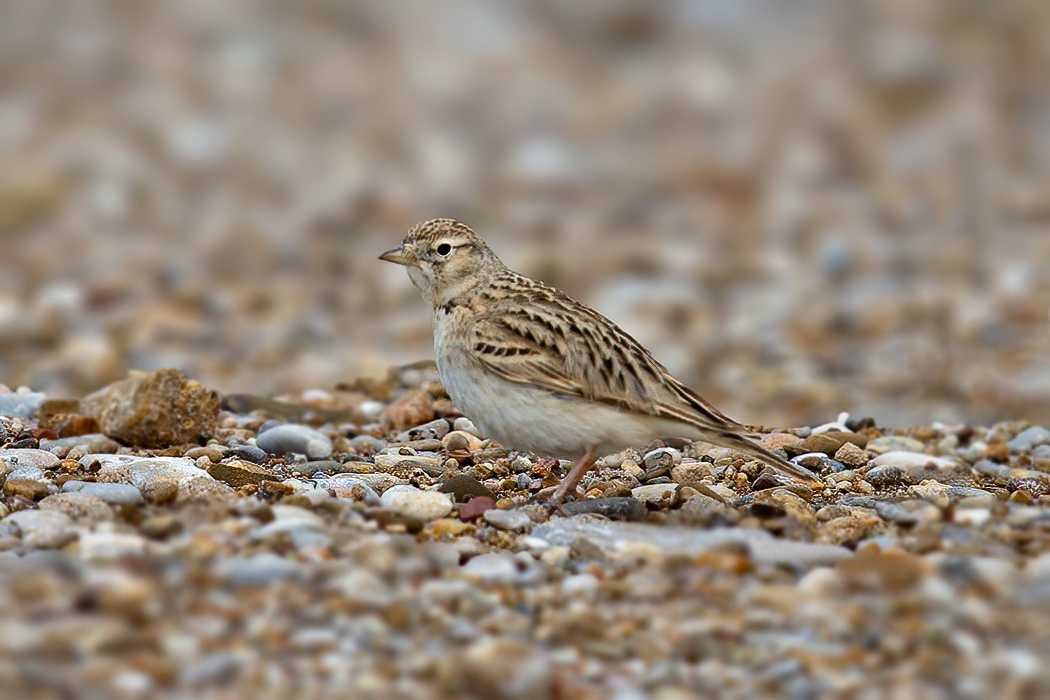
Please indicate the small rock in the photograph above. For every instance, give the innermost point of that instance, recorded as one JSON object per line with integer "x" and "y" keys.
{"x": 117, "y": 494}
{"x": 887, "y": 477}
{"x": 656, "y": 496}
{"x": 1028, "y": 439}
{"x": 494, "y": 567}
{"x": 466, "y": 425}
{"x": 294, "y": 438}
{"x": 157, "y": 409}
{"x": 476, "y": 507}
{"x": 463, "y": 487}
{"x": 258, "y": 570}
{"x": 238, "y": 473}
{"x": 251, "y": 453}
{"x": 912, "y": 460}
{"x": 367, "y": 445}
{"x": 895, "y": 443}
{"x": 405, "y": 465}
{"x": 81, "y": 507}
{"x": 848, "y": 530}
{"x": 13, "y": 458}
{"x": 692, "y": 473}
{"x": 26, "y": 488}
{"x": 411, "y": 502}
{"x": 412, "y": 409}
{"x": 325, "y": 466}
{"x": 851, "y": 455}
{"x": 23, "y": 403}
{"x": 510, "y": 520}
{"x": 42, "y": 529}
{"x": 616, "y": 508}
{"x": 434, "y": 430}
{"x": 106, "y": 544}
{"x": 350, "y": 487}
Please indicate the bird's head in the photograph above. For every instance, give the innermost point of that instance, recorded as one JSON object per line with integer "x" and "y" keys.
{"x": 444, "y": 259}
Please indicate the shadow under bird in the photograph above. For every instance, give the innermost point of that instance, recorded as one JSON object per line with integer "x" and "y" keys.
{"x": 540, "y": 372}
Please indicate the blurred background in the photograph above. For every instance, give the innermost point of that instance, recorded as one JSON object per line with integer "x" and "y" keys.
{"x": 801, "y": 207}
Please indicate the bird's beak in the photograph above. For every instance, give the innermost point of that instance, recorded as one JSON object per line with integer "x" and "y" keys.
{"x": 397, "y": 256}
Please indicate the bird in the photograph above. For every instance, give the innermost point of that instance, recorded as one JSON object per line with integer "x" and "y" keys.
{"x": 543, "y": 373}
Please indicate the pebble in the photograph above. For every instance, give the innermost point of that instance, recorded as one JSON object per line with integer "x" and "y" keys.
{"x": 239, "y": 472}
{"x": 434, "y": 430}
{"x": 21, "y": 403}
{"x": 294, "y": 438}
{"x": 895, "y": 443}
{"x": 250, "y": 453}
{"x": 152, "y": 473}
{"x": 81, "y": 507}
{"x": 367, "y": 444}
{"x": 851, "y": 455}
{"x": 13, "y": 458}
{"x": 404, "y": 465}
{"x": 912, "y": 460}
{"x": 116, "y": 494}
{"x": 41, "y": 529}
{"x": 888, "y": 477}
{"x": 475, "y": 508}
{"x": 615, "y": 508}
{"x": 258, "y": 570}
{"x": 350, "y": 487}
{"x": 493, "y": 567}
{"x": 463, "y": 487}
{"x": 656, "y": 496}
{"x": 106, "y": 543}
{"x": 510, "y": 520}
{"x": 412, "y": 502}
{"x": 1028, "y": 439}
{"x": 26, "y": 473}
{"x": 466, "y": 425}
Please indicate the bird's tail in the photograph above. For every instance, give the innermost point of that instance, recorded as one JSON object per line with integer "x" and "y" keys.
{"x": 738, "y": 442}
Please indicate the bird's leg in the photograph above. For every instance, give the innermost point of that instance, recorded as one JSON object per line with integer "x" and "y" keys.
{"x": 580, "y": 467}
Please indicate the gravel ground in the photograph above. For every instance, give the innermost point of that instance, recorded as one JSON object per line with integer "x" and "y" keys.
{"x": 368, "y": 542}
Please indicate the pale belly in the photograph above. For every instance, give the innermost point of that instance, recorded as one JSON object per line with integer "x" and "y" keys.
{"x": 534, "y": 420}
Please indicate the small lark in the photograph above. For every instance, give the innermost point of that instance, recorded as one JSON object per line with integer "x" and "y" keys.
{"x": 541, "y": 372}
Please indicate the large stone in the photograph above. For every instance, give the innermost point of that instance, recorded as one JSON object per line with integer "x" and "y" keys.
{"x": 12, "y": 459}
{"x": 410, "y": 501}
{"x": 157, "y": 409}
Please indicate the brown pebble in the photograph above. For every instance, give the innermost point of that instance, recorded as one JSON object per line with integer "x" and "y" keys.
{"x": 475, "y": 507}
{"x": 238, "y": 472}
{"x": 409, "y": 411}
{"x": 275, "y": 489}
{"x": 997, "y": 452}
{"x": 160, "y": 527}
{"x": 26, "y": 488}
{"x": 161, "y": 490}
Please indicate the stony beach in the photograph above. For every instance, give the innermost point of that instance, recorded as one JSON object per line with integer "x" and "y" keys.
{"x": 160, "y": 540}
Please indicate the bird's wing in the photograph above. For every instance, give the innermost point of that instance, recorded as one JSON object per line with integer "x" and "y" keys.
{"x": 545, "y": 339}
{"x": 548, "y": 340}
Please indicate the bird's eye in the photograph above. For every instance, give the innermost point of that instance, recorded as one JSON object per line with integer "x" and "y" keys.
{"x": 444, "y": 249}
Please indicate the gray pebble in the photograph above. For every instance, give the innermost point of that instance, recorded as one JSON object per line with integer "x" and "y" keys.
{"x": 434, "y": 430}
{"x": 23, "y": 403}
{"x": 250, "y": 453}
{"x": 117, "y": 494}
{"x": 524, "y": 481}
{"x": 466, "y": 425}
{"x": 1028, "y": 439}
{"x": 29, "y": 473}
{"x": 367, "y": 444}
{"x": 346, "y": 482}
{"x": 259, "y": 570}
{"x": 42, "y": 529}
{"x": 887, "y": 477}
{"x": 299, "y": 439}
{"x": 617, "y": 508}
{"x": 510, "y": 520}
{"x": 325, "y": 466}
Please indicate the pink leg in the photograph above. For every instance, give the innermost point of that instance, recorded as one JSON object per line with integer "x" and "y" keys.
{"x": 580, "y": 467}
